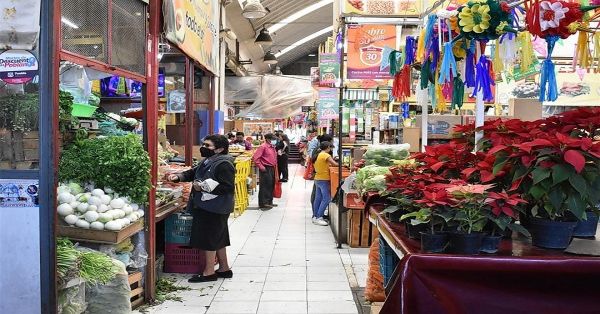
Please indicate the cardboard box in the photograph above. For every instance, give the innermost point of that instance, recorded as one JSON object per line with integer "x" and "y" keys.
{"x": 525, "y": 109}
{"x": 471, "y": 119}
{"x": 440, "y": 126}
{"x": 412, "y": 136}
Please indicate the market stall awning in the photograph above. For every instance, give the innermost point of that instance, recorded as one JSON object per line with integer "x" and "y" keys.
{"x": 279, "y": 97}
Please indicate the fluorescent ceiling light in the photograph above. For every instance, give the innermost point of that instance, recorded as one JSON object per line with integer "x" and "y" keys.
{"x": 312, "y": 55}
{"x": 301, "y": 42}
{"x": 69, "y": 23}
{"x": 309, "y": 9}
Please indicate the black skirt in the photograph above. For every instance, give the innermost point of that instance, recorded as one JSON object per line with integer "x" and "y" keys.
{"x": 209, "y": 230}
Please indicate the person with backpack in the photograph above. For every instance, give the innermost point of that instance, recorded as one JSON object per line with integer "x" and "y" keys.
{"x": 211, "y": 202}
{"x": 265, "y": 158}
{"x": 322, "y": 183}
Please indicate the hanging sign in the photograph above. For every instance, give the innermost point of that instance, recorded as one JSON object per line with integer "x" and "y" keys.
{"x": 18, "y": 66}
{"x": 328, "y": 104}
{"x": 314, "y": 76}
{"x": 366, "y": 46}
{"x": 402, "y": 8}
{"x": 176, "y": 102}
{"x": 193, "y": 26}
{"x": 329, "y": 68}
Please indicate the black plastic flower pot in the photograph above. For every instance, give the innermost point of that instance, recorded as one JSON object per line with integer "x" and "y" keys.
{"x": 489, "y": 244}
{"x": 587, "y": 228}
{"x": 434, "y": 243}
{"x": 414, "y": 231}
{"x": 550, "y": 234}
{"x": 465, "y": 243}
{"x": 395, "y": 216}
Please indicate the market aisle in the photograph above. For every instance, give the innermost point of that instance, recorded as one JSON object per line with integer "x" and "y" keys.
{"x": 282, "y": 263}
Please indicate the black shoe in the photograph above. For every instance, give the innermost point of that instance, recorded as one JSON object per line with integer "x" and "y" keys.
{"x": 202, "y": 278}
{"x": 284, "y": 180}
{"x": 273, "y": 205}
{"x": 265, "y": 207}
{"x": 224, "y": 274}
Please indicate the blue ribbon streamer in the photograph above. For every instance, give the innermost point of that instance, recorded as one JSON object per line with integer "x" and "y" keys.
{"x": 435, "y": 50}
{"x": 470, "y": 66}
{"x": 484, "y": 81}
{"x": 405, "y": 110}
{"x": 548, "y": 85}
{"x": 448, "y": 68}
{"x": 429, "y": 29}
{"x": 409, "y": 50}
{"x": 432, "y": 96}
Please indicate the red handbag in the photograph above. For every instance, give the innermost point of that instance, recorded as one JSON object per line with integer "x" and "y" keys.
{"x": 277, "y": 188}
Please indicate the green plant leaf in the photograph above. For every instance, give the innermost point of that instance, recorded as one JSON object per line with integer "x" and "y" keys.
{"x": 560, "y": 173}
{"x": 391, "y": 209}
{"x": 556, "y": 197}
{"x": 540, "y": 174}
{"x": 579, "y": 184}
{"x": 576, "y": 206}
{"x": 520, "y": 229}
{"x": 499, "y": 164}
{"x": 537, "y": 192}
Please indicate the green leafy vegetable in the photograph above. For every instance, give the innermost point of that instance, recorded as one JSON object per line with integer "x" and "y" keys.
{"x": 118, "y": 162}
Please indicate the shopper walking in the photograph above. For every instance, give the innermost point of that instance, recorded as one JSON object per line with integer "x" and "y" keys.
{"x": 283, "y": 151}
{"x": 265, "y": 158}
{"x": 211, "y": 202}
{"x": 322, "y": 183}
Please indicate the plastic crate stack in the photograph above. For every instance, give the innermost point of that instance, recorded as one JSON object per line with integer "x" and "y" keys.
{"x": 242, "y": 171}
{"x": 179, "y": 257}
{"x": 387, "y": 260}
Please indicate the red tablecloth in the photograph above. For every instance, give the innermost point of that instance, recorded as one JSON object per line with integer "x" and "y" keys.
{"x": 520, "y": 278}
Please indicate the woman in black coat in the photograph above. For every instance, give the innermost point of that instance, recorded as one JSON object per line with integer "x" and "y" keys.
{"x": 211, "y": 202}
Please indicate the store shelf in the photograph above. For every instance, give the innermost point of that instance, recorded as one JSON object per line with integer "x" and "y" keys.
{"x": 166, "y": 210}
{"x": 99, "y": 236}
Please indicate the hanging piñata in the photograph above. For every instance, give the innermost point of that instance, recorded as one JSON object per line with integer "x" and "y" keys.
{"x": 484, "y": 19}
{"x": 553, "y": 20}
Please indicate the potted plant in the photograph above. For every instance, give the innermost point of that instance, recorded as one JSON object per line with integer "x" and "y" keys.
{"x": 587, "y": 227}
{"x": 433, "y": 213}
{"x": 558, "y": 175}
{"x": 468, "y": 217}
{"x": 501, "y": 212}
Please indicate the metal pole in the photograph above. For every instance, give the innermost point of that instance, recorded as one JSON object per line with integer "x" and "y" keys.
{"x": 340, "y": 117}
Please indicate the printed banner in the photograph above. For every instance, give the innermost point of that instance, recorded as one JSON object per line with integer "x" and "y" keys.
{"x": 329, "y": 68}
{"x": 402, "y": 8}
{"x": 176, "y": 102}
{"x": 19, "y": 193}
{"x": 193, "y": 26}
{"x": 18, "y": 66}
{"x": 328, "y": 104}
{"x": 366, "y": 44}
{"x": 314, "y": 76}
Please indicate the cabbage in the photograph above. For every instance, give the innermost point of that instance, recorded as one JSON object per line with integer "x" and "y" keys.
{"x": 369, "y": 173}
{"x": 75, "y": 188}
{"x": 375, "y": 184}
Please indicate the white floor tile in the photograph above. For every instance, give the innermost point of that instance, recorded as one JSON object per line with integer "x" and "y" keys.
{"x": 247, "y": 278}
{"x": 287, "y": 270}
{"x": 286, "y": 277}
{"x": 289, "y": 307}
{"x": 326, "y": 286}
{"x": 284, "y": 285}
{"x": 330, "y": 296}
{"x": 238, "y": 295}
{"x": 182, "y": 309}
{"x": 284, "y": 296}
{"x": 250, "y": 270}
{"x": 233, "y": 307}
{"x": 332, "y": 307}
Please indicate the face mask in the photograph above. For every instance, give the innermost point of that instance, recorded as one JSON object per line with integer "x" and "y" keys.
{"x": 274, "y": 142}
{"x": 206, "y": 152}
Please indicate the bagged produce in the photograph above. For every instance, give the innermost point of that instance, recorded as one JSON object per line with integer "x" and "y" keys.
{"x": 386, "y": 155}
{"x": 371, "y": 178}
{"x": 112, "y": 297}
{"x": 374, "y": 290}
{"x": 71, "y": 298}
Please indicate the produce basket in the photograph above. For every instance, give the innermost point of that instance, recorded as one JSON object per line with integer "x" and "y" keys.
{"x": 178, "y": 228}
{"x": 183, "y": 259}
{"x": 83, "y": 110}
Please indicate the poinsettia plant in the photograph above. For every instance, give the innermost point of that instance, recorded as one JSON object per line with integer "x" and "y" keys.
{"x": 433, "y": 209}
{"x": 468, "y": 206}
{"x": 556, "y": 167}
{"x": 503, "y": 208}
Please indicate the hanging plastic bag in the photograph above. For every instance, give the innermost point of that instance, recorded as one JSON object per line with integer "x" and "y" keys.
{"x": 348, "y": 186}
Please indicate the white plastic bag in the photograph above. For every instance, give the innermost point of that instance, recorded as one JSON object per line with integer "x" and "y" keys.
{"x": 348, "y": 186}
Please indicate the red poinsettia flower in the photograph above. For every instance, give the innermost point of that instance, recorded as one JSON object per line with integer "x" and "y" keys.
{"x": 504, "y": 203}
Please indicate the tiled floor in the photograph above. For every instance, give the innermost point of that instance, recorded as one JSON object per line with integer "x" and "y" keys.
{"x": 282, "y": 263}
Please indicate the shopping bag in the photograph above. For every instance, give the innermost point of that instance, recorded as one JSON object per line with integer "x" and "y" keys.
{"x": 277, "y": 188}
{"x": 309, "y": 172}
